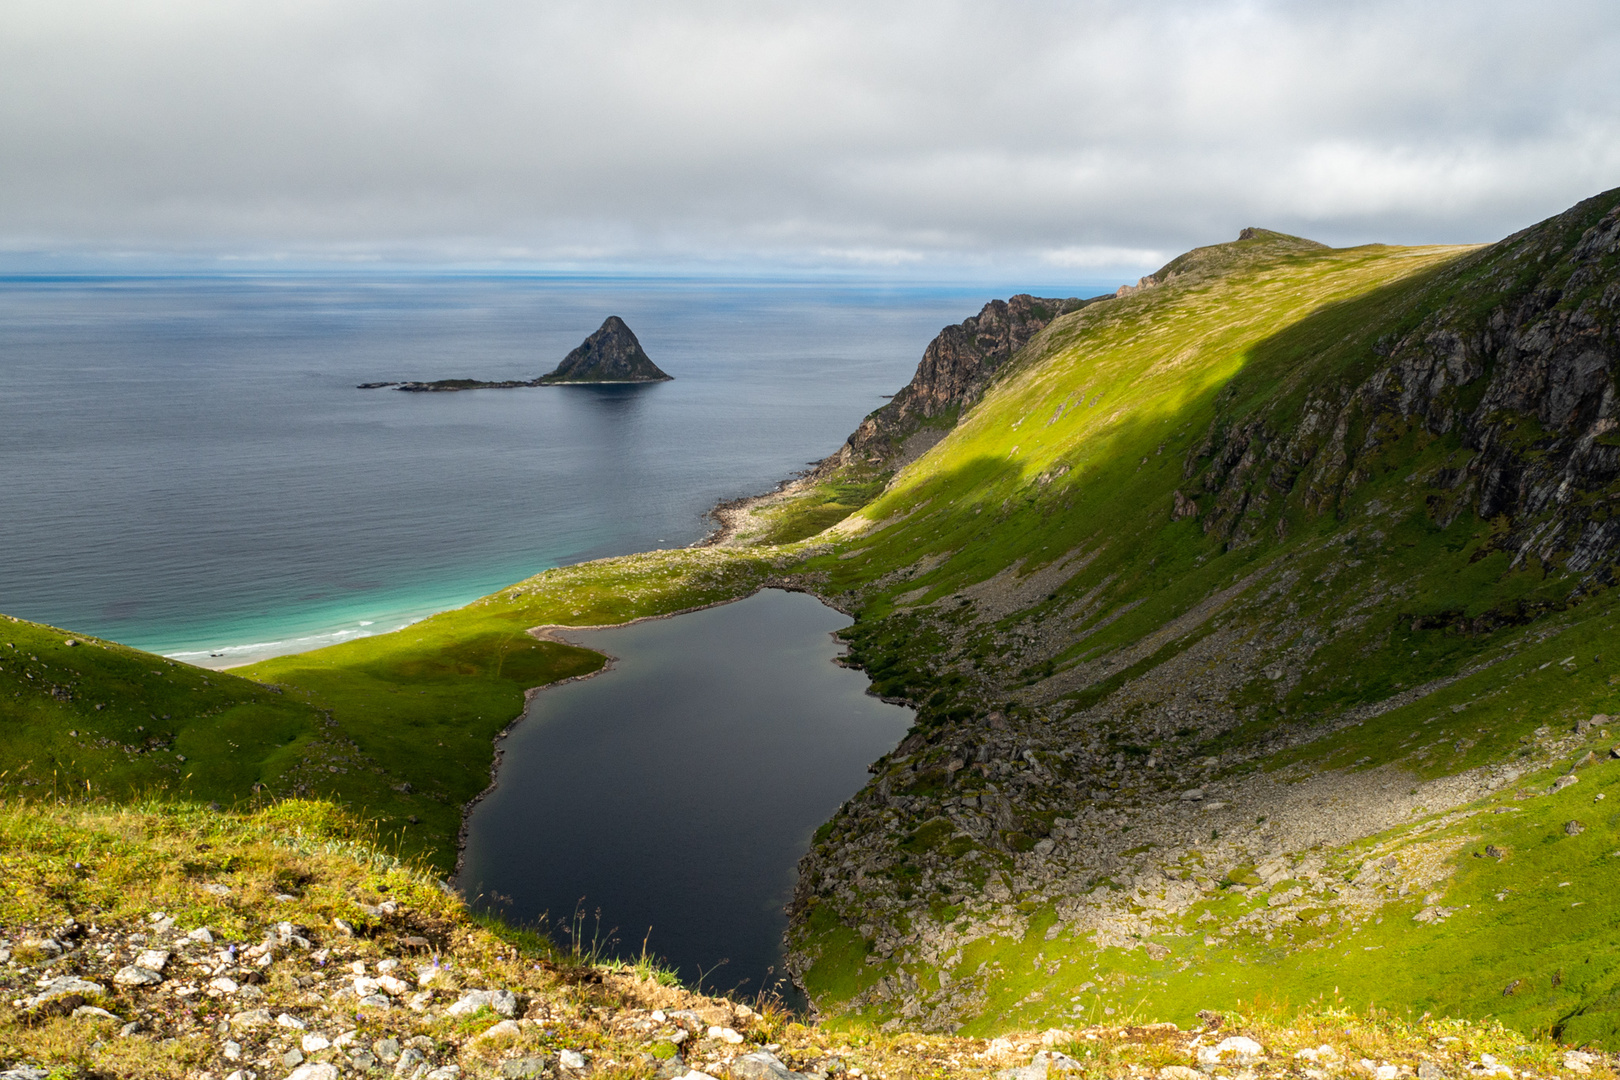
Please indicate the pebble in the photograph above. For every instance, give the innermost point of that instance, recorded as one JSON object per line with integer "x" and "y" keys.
{"x": 135, "y": 975}
{"x": 85, "y": 1012}
{"x": 503, "y": 1002}
{"x": 1244, "y": 1049}
{"x": 571, "y": 1059}
{"x": 409, "y": 1058}
{"x": 61, "y": 987}
{"x": 225, "y": 985}
{"x": 505, "y": 1027}
{"x": 314, "y": 1044}
{"x": 288, "y": 1020}
{"x": 153, "y": 960}
{"x": 318, "y": 1071}
{"x": 243, "y": 1074}
{"x": 725, "y": 1035}
{"x": 764, "y": 1065}
{"x": 252, "y": 1018}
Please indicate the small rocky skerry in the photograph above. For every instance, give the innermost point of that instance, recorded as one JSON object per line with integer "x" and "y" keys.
{"x": 611, "y": 355}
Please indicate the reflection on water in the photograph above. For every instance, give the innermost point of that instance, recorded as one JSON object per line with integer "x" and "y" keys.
{"x": 676, "y": 792}
{"x": 186, "y": 465}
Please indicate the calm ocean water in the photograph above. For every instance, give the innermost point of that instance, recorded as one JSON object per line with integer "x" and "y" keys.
{"x": 186, "y": 466}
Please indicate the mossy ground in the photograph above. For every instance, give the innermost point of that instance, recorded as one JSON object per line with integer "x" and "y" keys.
{"x": 308, "y": 862}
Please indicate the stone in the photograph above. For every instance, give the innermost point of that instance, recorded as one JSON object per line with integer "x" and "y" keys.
{"x": 313, "y": 1043}
{"x": 135, "y": 975}
{"x": 1234, "y": 1048}
{"x": 316, "y": 1071}
{"x": 225, "y": 985}
{"x": 41, "y": 946}
{"x": 1045, "y": 1064}
{"x": 252, "y": 1018}
{"x": 529, "y": 1068}
{"x": 363, "y": 1060}
{"x": 1579, "y": 1060}
{"x": 393, "y": 987}
{"x": 444, "y": 1072}
{"x": 243, "y": 1074}
{"x": 1573, "y": 828}
{"x": 409, "y": 1059}
{"x": 231, "y": 1049}
{"x": 293, "y": 1058}
{"x": 153, "y": 960}
{"x": 387, "y": 1050}
{"x": 504, "y": 1029}
{"x": 502, "y": 1002}
{"x": 725, "y": 1035}
{"x": 24, "y": 1072}
{"x": 214, "y": 888}
{"x": 91, "y": 1012}
{"x": 1563, "y": 782}
{"x": 202, "y": 936}
{"x": 571, "y": 1059}
{"x": 1180, "y": 1072}
{"x": 288, "y": 1020}
{"x": 63, "y": 988}
{"x": 762, "y": 1065}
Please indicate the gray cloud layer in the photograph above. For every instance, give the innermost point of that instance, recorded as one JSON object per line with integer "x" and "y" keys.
{"x": 923, "y": 136}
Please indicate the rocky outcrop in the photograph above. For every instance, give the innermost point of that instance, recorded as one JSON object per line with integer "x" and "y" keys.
{"x": 1518, "y": 359}
{"x": 955, "y": 369}
{"x": 611, "y": 355}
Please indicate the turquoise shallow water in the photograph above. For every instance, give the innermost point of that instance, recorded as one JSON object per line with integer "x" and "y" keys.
{"x": 670, "y": 798}
{"x": 186, "y": 466}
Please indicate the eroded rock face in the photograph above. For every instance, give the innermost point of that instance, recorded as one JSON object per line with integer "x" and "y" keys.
{"x": 612, "y": 354}
{"x": 955, "y": 369}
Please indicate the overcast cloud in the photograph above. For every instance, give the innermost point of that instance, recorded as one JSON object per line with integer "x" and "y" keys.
{"x": 918, "y": 139}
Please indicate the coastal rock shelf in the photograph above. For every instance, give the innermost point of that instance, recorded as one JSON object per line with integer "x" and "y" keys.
{"x": 611, "y": 355}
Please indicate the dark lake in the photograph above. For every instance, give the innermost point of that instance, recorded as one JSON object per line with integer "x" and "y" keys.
{"x": 675, "y": 793}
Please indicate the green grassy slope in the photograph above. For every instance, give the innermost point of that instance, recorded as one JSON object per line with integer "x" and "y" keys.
{"x": 1220, "y": 520}
{"x": 109, "y": 720}
{"x": 398, "y": 727}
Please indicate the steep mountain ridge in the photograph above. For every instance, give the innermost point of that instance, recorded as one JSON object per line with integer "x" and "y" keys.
{"x": 1179, "y": 596}
{"x": 955, "y": 368}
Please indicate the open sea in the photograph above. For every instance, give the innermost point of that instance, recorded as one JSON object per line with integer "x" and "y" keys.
{"x": 187, "y": 467}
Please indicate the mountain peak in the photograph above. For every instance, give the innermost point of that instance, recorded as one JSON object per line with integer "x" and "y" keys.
{"x": 611, "y": 355}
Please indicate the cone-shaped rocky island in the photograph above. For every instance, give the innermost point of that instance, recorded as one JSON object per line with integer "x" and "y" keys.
{"x": 611, "y": 355}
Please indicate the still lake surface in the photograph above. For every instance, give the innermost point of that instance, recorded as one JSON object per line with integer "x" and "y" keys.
{"x": 670, "y": 798}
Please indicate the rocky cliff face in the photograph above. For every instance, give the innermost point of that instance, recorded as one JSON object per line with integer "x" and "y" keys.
{"x": 1519, "y": 362}
{"x": 1395, "y": 538}
{"x": 612, "y": 354}
{"x": 955, "y": 368}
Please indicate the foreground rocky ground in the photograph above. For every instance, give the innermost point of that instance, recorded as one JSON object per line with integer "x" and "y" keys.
{"x": 288, "y": 946}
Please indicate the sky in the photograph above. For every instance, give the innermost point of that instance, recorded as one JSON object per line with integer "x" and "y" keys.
{"x": 914, "y": 141}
